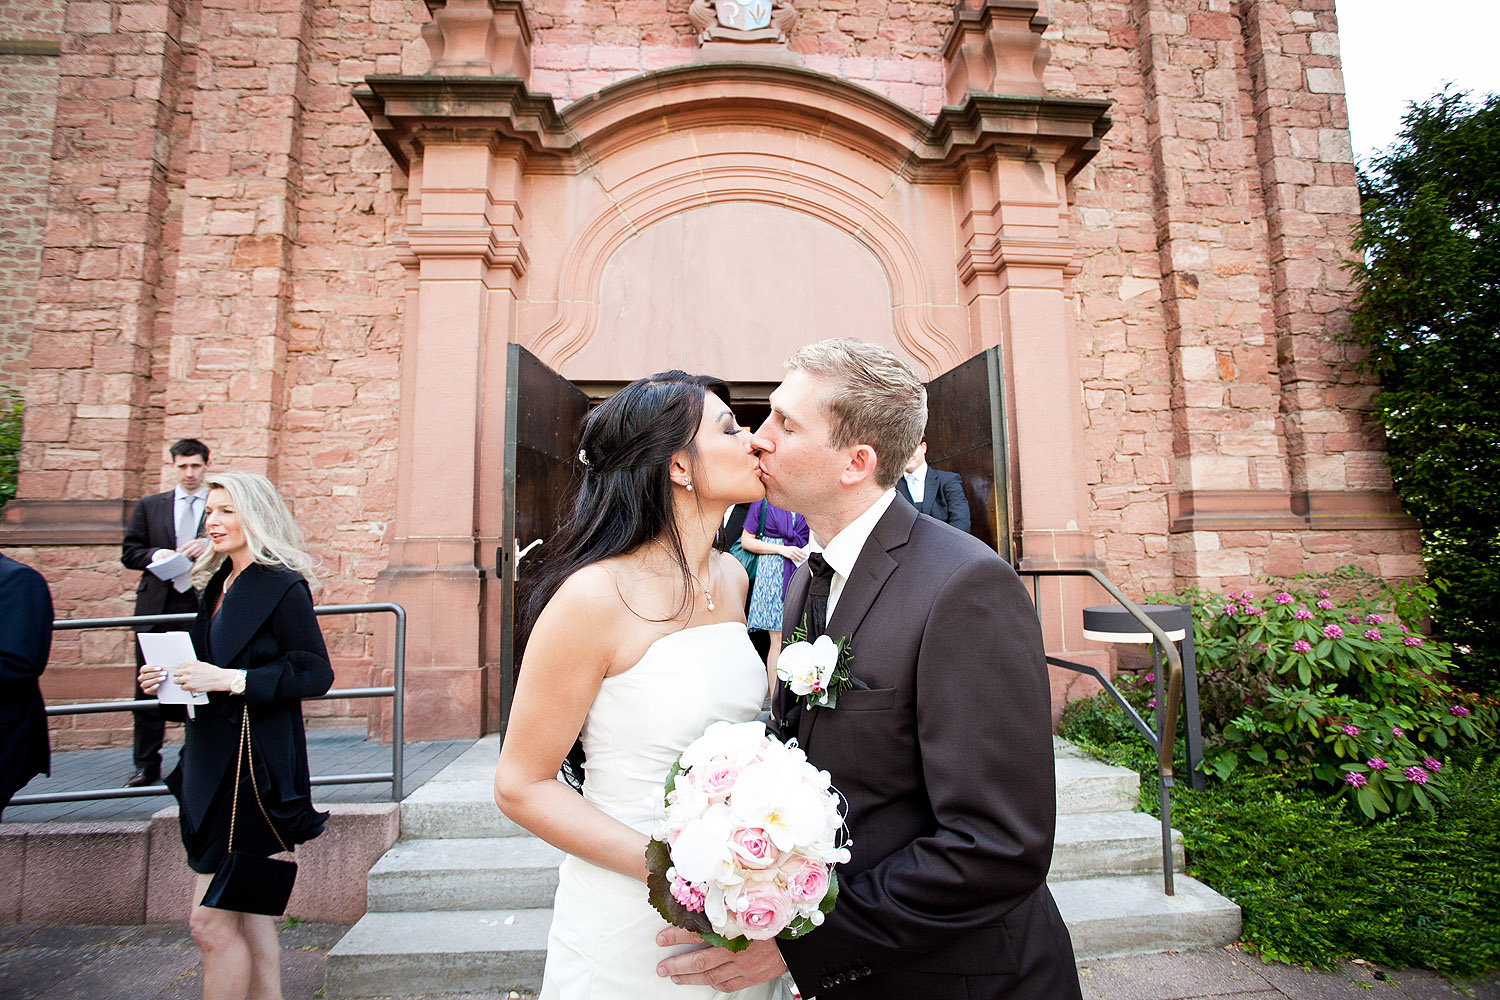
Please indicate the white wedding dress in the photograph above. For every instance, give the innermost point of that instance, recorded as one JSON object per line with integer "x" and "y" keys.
{"x": 602, "y": 945}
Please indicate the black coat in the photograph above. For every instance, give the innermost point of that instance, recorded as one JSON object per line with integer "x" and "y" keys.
{"x": 272, "y": 633}
{"x": 25, "y": 642}
{"x": 151, "y": 527}
{"x": 946, "y": 762}
{"x": 942, "y": 497}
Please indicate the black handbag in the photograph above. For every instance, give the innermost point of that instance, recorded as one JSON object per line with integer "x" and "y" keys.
{"x": 749, "y": 559}
{"x": 249, "y": 883}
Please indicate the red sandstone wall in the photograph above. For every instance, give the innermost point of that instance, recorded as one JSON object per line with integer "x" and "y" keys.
{"x": 26, "y": 114}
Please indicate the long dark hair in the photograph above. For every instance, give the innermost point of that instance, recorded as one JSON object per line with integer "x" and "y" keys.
{"x": 624, "y": 498}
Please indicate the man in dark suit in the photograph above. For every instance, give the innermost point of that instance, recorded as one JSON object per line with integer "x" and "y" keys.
{"x": 163, "y": 523}
{"x": 936, "y": 494}
{"x": 943, "y": 748}
{"x": 25, "y": 641}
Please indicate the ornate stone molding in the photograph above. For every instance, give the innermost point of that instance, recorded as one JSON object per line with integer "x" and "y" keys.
{"x": 478, "y": 38}
{"x": 995, "y": 47}
{"x": 1281, "y": 510}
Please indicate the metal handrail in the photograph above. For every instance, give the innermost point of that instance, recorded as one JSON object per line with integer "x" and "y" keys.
{"x": 1166, "y": 741}
{"x": 395, "y": 691}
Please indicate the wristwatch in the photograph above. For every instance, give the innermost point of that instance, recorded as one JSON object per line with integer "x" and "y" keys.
{"x": 237, "y": 682}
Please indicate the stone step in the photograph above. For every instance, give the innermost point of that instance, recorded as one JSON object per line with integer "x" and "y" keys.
{"x": 1085, "y": 786}
{"x": 455, "y": 809}
{"x": 454, "y": 951}
{"x": 1129, "y": 914}
{"x": 462, "y": 873}
{"x": 1092, "y": 844}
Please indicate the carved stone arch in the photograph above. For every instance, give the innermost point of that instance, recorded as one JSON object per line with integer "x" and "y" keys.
{"x": 657, "y": 147}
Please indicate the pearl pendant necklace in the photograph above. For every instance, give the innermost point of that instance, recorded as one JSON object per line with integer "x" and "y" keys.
{"x": 709, "y": 597}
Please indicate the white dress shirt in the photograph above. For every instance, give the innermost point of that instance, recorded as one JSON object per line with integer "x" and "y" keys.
{"x": 842, "y": 551}
{"x": 199, "y": 499}
{"x": 916, "y": 483}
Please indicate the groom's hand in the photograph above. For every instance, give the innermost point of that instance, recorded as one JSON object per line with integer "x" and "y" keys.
{"x": 725, "y": 971}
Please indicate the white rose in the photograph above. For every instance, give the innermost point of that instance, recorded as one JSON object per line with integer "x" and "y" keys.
{"x": 701, "y": 851}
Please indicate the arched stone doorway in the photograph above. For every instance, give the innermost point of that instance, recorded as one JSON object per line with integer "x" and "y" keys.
{"x": 577, "y": 235}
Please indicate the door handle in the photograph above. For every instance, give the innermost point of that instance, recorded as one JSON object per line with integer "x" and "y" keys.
{"x": 521, "y": 554}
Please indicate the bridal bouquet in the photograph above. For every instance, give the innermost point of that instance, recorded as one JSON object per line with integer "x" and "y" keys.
{"x": 749, "y": 839}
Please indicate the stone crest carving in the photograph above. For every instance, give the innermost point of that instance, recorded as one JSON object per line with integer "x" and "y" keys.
{"x": 742, "y": 20}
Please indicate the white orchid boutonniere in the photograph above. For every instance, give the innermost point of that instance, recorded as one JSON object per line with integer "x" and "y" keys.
{"x": 817, "y": 672}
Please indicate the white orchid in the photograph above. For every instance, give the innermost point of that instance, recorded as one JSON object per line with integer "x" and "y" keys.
{"x": 807, "y": 667}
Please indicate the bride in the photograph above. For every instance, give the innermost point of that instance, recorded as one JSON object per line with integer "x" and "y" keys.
{"x": 637, "y": 645}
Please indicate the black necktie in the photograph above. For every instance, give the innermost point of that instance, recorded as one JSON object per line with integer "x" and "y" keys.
{"x": 789, "y": 711}
{"x": 817, "y": 595}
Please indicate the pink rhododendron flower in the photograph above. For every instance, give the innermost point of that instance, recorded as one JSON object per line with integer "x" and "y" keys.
{"x": 1372, "y": 619}
{"x": 1301, "y": 615}
{"x": 1416, "y": 775}
{"x": 1352, "y": 619}
{"x": 1230, "y": 609}
{"x": 1151, "y": 703}
{"x": 1411, "y": 640}
{"x": 1349, "y": 729}
{"x": 806, "y": 881}
{"x": 1301, "y": 646}
{"x": 688, "y": 894}
{"x": 1245, "y": 595}
{"x": 1254, "y": 610}
{"x": 1324, "y": 593}
{"x": 1325, "y": 605}
{"x": 1150, "y": 677}
{"x": 1433, "y": 764}
{"x": 752, "y": 848}
{"x": 1376, "y": 764}
{"x": 1332, "y": 632}
{"x": 1282, "y": 597}
{"x": 1373, "y": 634}
{"x": 1458, "y": 710}
{"x": 1397, "y": 732}
{"x": 1356, "y": 780}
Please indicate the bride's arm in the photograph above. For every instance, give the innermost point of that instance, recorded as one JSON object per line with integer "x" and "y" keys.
{"x": 566, "y": 659}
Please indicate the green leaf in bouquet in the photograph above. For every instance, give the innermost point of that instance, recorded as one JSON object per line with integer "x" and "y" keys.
{"x": 659, "y": 891}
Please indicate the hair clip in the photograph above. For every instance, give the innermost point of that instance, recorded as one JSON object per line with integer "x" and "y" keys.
{"x": 583, "y": 456}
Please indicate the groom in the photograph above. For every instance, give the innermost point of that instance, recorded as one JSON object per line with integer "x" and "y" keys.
{"x": 944, "y": 754}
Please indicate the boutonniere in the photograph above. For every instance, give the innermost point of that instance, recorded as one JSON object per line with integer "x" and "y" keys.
{"x": 817, "y": 672}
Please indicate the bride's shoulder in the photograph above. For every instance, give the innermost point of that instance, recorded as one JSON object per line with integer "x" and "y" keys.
{"x": 733, "y": 570}
{"x": 595, "y": 586}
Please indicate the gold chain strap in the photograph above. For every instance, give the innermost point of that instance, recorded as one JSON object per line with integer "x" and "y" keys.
{"x": 246, "y": 753}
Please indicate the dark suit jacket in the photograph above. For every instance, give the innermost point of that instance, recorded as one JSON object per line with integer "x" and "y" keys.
{"x": 271, "y": 633}
{"x": 946, "y": 763}
{"x": 942, "y": 497}
{"x": 152, "y": 527}
{"x": 25, "y": 642}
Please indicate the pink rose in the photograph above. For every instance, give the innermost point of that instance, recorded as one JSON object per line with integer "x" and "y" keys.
{"x": 763, "y": 911}
{"x": 806, "y": 880}
{"x": 689, "y": 894}
{"x": 716, "y": 779}
{"x": 753, "y": 849}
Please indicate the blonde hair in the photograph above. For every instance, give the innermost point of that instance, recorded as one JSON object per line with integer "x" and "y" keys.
{"x": 272, "y": 536}
{"x": 874, "y": 399}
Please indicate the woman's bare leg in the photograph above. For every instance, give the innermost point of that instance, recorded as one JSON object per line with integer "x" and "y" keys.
{"x": 221, "y": 944}
{"x": 265, "y": 956}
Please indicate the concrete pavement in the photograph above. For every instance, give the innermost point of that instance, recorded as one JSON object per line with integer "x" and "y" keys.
{"x": 159, "y": 962}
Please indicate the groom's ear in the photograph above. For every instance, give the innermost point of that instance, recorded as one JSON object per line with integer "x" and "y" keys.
{"x": 860, "y": 467}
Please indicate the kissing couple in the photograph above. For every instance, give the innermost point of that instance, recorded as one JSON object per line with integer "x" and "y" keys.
{"x": 637, "y": 644}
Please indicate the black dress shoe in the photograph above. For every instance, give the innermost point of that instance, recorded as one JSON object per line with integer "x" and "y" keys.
{"x": 144, "y": 776}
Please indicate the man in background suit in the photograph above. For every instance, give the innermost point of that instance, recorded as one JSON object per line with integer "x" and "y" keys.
{"x": 936, "y": 494}
{"x": 943, "y": 746}
{"x": 170, "y": 522}
{"x": 25, "y": 641}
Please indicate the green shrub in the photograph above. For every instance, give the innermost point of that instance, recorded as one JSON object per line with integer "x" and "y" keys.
{"x": 1332, "y": 687}
{"x": 10, "y": 442}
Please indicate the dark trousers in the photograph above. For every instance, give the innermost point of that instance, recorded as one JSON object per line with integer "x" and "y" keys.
{"x": 149, "y": 727}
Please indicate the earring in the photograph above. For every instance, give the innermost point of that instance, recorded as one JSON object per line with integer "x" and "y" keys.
{"x": 689, "y": 487}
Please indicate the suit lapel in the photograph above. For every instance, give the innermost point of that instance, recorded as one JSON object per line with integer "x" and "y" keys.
{"x": 871, "y": 571}
{"x": 930, "y": 491}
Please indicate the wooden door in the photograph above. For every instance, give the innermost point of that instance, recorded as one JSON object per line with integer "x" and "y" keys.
{"x": 543, "y": 413}
{"x": 966, "y": 435}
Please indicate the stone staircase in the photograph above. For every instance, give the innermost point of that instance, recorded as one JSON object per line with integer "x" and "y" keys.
{"x": 484, "y": 887}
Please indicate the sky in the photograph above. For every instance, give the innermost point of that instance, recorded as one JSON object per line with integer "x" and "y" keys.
{"x": 1396, "y": 52}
